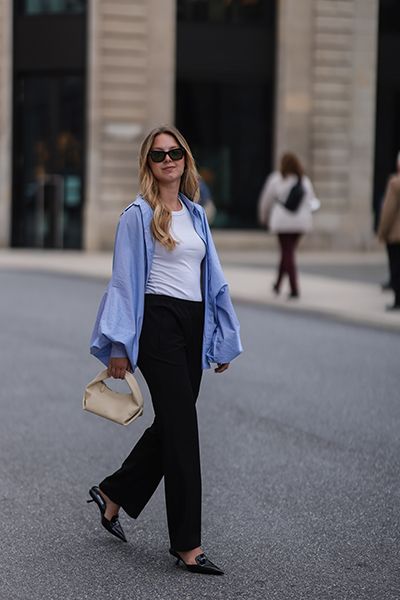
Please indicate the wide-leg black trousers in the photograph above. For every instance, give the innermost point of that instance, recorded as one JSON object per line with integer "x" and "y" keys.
{"x": 170, "y": 350}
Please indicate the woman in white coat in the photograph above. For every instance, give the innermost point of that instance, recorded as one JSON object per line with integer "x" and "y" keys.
{"x": 288, "y": 225}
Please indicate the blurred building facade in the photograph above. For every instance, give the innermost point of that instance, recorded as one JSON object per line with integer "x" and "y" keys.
{"x": 82, "y": 81}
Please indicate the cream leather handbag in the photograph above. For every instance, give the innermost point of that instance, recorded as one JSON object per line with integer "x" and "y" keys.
{"x": 115, "y": 406}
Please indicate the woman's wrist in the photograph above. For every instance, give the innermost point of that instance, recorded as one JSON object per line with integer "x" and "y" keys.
{"x": 118, "y": 350}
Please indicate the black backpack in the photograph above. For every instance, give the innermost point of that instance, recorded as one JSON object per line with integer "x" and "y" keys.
{"x": 295, "y": 197}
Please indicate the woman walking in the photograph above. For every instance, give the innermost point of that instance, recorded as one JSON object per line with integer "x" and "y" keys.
{"x": 289, "y": 225}
{"x": 166, "y": 310}
{"x": 389, "y": 233}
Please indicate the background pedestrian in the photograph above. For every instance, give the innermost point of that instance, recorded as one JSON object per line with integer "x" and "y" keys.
{"x": 389, "y": 232}
{"x": 206, "y": 200}
{"x": 289, "y": 225}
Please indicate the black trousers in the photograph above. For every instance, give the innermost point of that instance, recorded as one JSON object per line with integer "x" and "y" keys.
{"x": 170, "y": 359}
{"x": 394, "y": 267}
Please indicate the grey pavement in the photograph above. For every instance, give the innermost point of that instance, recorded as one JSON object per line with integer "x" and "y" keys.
{"x": 300, "y": 460}
{"x": 342, "y": 285}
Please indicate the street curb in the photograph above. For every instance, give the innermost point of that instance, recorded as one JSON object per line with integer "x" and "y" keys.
{"x": 308, "y": 311}
{"x": 248, "y": 285}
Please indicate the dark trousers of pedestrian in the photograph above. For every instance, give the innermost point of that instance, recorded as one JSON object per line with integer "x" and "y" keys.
{"x": 170, "y": 350}
{"x": 394, "y": 268}
{"x": 389, "y": 283}
{"x": 288, "y": 243}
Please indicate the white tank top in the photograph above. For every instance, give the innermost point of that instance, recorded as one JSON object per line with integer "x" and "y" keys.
{"x": 177, "y": 272}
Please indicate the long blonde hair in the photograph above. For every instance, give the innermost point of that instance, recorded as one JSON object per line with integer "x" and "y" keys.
{"x": 161, "y": 222}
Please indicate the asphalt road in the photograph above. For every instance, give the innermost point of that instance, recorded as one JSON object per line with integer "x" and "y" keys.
{"x": 300, "y": 451}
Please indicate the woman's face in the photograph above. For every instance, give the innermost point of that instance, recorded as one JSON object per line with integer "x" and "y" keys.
{"x": 168, "y": 170}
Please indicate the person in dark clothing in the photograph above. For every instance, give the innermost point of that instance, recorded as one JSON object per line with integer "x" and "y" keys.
{"x": 389, "y": 233}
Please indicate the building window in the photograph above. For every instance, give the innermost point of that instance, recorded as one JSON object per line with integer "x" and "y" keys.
{"x": 36, "y": 7}
{"x": 387, "y": 139}
{"x": 49, "y": 148}
{"x": 224, "y": 98}
{"x": 224, "y": 11}
{"x": 49, "y": 123}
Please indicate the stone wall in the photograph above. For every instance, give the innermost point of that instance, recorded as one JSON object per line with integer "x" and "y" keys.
{"x": 326, "y": 108}
{"x": 131, "y": 83}
{"x": 5, "y": 120}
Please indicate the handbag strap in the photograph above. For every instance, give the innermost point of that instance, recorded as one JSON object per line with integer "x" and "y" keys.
{"x": 133, "y": 384}
{"x": 129, "y": 378}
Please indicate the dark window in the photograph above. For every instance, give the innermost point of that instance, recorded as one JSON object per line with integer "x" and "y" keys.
{"x": 49, "y": 151}
{"x": 224, "y": 98}
{"x": 387, "y": 139}
{"x": 225, "y": 11}
{"x": 37, "y": 7}
{"x": 389, "y": 16}
{"x": 49, "y": 124}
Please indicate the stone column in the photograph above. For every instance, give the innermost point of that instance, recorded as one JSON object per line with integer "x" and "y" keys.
{"x": 293, "y": 103}
{"x": 361, "y": 178}
{"x": 5, "y": 120}
{"x": 161, "y": 62}
{"x": 326, "y": 108}
{"x": 131, "y": 79}
{"x": 343, "y": 118}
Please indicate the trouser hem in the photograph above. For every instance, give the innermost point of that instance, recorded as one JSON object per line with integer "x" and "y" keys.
{"x": 185, "y": 547}
{"x": 131, "y": 513}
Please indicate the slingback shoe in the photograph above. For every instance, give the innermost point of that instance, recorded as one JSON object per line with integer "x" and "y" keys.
{"x": 203, "y": 564}
{"x": 113, "y": 526}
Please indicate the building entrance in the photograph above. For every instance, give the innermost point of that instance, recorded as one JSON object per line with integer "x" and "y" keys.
{"x": 49, "y": 161}
{"x": 224, "y": 98}
{"x": 48, "y": 125}
{"x": 387, "y": 145}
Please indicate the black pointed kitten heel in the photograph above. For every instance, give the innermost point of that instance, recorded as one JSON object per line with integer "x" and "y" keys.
{"x": 113, "y": 526}
{"x": 203, "y": 564}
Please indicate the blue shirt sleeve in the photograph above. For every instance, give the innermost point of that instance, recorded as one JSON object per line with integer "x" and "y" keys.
{"x": 117, "y": 325}
{"x": 226, "y": 343}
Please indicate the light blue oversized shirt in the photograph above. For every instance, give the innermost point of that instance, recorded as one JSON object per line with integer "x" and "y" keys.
{"x": 120, "y": 316}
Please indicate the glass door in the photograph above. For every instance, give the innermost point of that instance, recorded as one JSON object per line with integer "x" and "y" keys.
{"x": 224, "y": 98}
{"x": 387, "y": 138}
{"x": 48, "y": 161}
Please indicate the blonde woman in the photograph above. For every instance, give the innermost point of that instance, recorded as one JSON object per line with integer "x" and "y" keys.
{"x": 166, "y": 310}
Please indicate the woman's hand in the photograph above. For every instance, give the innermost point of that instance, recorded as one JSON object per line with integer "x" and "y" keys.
{"x": 221, "y": 367}
{"x": 117, "y": 367}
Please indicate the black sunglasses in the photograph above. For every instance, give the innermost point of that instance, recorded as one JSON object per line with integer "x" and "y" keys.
{"x": 158, "y": 156}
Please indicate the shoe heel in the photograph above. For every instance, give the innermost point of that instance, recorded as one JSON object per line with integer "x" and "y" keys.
{"x": 91, "y": 500}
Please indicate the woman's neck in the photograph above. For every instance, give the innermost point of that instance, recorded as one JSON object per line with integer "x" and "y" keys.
{"x": 169, "y": 196}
